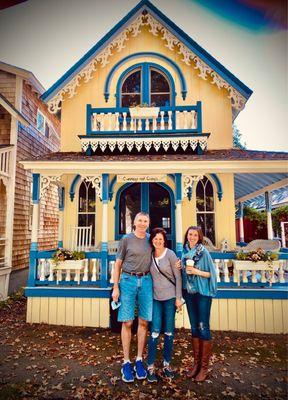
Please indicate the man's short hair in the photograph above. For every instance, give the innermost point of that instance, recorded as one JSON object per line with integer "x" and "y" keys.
{"x": 143, "y": 214}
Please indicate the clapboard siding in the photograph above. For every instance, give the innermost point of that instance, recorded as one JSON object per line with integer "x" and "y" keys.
{"x": 92, "y": 312}
{"x": 241, "y": 314}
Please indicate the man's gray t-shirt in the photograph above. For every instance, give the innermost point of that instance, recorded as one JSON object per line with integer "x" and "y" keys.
{"x": 135, "y": 253}
{"x": 163, "y": 289}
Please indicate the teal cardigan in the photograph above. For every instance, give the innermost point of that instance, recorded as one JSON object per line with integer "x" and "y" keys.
{"x": 204, "y": 286}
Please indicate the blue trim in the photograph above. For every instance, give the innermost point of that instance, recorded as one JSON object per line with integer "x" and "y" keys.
{"x": 73, "y": 187}
{"x": 111, "y": 187}
{"x": 36, "y": 188}
{"x": 61, "y": 194}
{"x": 145, "y": 82}
{"x": 268, "y": 202}
{"x": 218, "y": 185}
{"x": 145, "y": 54}
{"x": 178, "y": 189}
{"x": 241, "y": 209}
{"x": 189, "y": 42}
{"x": 92, "y": 292}
{"x": 145, "y": 197}
{"x": 32, "y": 264}
{"x": 277, "y": 293}
{"x": 96, "y": 292}
{"x": 60, "y": 244}
{"x": 105, "y": 188}
{"x": 34, "y": 246}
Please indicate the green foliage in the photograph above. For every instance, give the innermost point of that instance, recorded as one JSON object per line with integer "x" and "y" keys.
{"x": 278, "y": 215}
{"x": 257, "y": 255}
{"x": 237, "y": 139}
{"x": 254, "y": 215}
{"x": 63, "y": 255}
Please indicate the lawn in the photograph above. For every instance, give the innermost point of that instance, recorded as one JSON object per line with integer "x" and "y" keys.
{"x": 56, "y": 362}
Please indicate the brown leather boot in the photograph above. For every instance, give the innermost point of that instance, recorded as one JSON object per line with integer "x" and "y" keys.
{"x": 197, "y": 358}
{"x": 206, "y": 354}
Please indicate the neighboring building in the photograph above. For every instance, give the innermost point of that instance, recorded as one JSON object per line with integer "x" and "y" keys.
{"x": 173, "y": 159}
{"x": 26, "y": 130}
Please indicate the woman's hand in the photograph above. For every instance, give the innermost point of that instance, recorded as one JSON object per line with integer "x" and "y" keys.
{"x": 178, "y": 304}
{"x": 178, "y": 264}
{"x": 115, "y": 293}
{"x": 191, "y": 270}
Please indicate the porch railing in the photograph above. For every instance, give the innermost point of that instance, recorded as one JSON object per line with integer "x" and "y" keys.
{"x": 2, "y": 252}
{"x": 184, "y": 118}
{"x": 5, "y": 155}
{"x": 91, "y": 274}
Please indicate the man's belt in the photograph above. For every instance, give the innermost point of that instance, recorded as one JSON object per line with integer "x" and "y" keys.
{"x": 137, "y": 273}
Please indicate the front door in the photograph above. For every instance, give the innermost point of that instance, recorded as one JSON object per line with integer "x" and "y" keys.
{"x": 156, "y": 199}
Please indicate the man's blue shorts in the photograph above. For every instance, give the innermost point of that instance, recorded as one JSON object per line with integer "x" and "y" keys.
{"x": 135, "y": 291}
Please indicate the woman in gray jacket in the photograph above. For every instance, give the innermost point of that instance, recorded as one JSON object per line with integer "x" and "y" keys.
{"x": 167, "y": 297}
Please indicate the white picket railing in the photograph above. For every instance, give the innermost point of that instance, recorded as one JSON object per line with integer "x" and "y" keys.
{"x": 117, "y": 122}
{"x": 2, "y": 252}
{"x": 5, "y": 156}
{"x": 90, "y": 271}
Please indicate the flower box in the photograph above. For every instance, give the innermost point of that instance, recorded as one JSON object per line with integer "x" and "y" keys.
{"x": 144, "y": 112}
{"x": 77, "y": 266}
{"x": 263, "y": 266}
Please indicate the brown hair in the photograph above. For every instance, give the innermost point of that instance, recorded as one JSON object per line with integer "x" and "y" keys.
{"x": 194, "y": 228}
{"x": 154, "y": 232}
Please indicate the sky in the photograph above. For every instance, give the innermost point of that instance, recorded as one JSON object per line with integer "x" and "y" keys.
{"x": 48, "y": 37}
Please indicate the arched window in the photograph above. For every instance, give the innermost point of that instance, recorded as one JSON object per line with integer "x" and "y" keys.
{"x": 87, "y": 207}
{"x": 146, "y": 84}
{"x": 205, "y": 208}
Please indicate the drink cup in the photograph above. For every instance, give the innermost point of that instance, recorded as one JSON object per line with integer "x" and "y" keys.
{"x": 189, "y": 263}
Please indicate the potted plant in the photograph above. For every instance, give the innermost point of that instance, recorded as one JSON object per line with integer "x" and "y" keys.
{"x": 257, "y": 260}
{"x": 70, "y": 261}
{"x": 66, "y": 257}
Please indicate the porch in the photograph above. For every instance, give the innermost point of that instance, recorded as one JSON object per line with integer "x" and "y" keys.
{"x": 253, "y": 302}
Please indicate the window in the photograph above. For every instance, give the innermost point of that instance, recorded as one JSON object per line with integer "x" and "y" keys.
{"x": 205, "y": 208}
{"x": 41, "y": 122}
{"x": 87, "y": 207}
{"x": 145, "y": 84}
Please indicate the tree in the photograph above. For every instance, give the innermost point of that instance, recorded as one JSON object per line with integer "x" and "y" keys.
{"x": 237, "y": 139}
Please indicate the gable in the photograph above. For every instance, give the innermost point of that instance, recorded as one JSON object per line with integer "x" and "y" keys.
{"x": 145, "y": 14}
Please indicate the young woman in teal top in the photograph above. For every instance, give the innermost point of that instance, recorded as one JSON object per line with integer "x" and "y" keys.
{"x": 199, "y": 287}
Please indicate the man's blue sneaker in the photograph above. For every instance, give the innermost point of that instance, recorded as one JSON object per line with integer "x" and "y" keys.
{"x": 141, "y": 372}
{"x": 127, "y": 372}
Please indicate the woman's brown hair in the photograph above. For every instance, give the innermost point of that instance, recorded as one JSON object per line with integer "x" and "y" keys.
{"x": 154, "y": 232}
{"x": 194, "y": 228}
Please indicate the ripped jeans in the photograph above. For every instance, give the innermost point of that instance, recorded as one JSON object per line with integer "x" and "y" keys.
{"x": 198, "y": 307}
{"x": 163, "y": 317}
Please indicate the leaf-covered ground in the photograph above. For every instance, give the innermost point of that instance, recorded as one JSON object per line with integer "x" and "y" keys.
{"x": 55, "y": 362}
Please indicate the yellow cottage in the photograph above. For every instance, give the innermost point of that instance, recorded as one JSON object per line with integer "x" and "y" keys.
{"x": 146, "y": 124}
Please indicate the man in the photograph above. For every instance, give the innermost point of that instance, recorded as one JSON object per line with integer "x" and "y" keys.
{"x": 134, "y": 288}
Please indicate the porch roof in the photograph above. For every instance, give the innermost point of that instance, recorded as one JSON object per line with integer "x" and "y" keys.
{"x": 213, "y": 161}
{"x": 211, "y": 155}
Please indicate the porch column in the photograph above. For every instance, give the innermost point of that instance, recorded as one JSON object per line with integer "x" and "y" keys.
{"x": 178, "y": 199}
{"x": 241, "y": 222}
{"x": 35, "y": 228}
{"x": 61, "y": 217}
{"x": 104, "y": 246}
{"x": 269, "y": 216}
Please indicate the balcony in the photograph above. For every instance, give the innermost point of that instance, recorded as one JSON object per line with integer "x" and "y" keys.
{"x": 166, "y": 129}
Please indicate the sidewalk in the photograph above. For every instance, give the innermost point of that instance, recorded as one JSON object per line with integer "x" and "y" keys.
{"x": 56, "y": 362}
